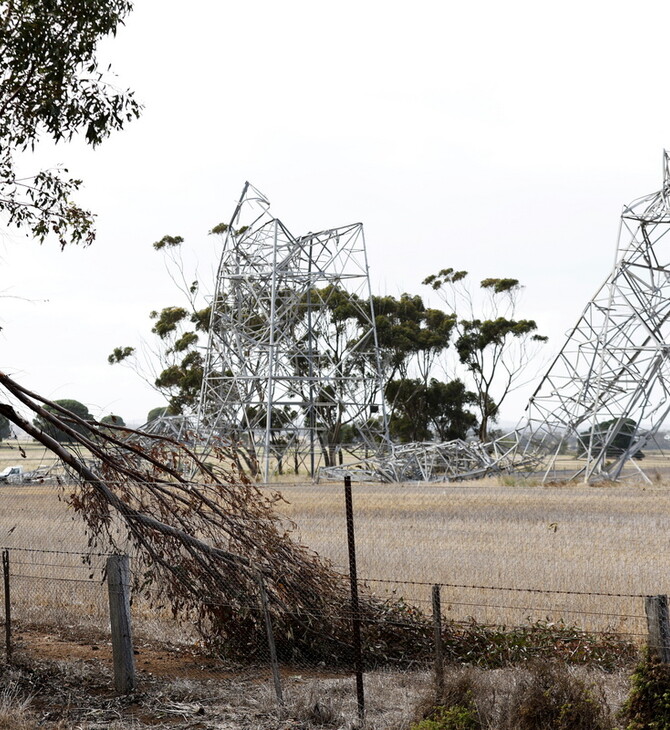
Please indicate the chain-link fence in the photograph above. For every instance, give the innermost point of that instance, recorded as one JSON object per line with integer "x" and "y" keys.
{"x": 518, "y": 571}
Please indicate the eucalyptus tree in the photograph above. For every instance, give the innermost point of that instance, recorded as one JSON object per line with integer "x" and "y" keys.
{"x": 51, "y": 87}
{"x": 5, "y": 428}
{"x": 494, "y": 346}
{"x": 72, "y": 412}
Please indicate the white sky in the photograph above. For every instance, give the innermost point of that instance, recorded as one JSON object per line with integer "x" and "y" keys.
{"x": 501, "y": 138}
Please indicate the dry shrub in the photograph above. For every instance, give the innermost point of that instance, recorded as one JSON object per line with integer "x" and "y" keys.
{"x": 14, "y": 712}
{"x": 550, "y": 697}
{"x": 316, "y": 707}
{"x": 463, "y": 704}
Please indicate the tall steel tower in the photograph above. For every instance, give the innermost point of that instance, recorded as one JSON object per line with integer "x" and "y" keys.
{"x": 608, "y": 391}
{"x": 292, "y": 368}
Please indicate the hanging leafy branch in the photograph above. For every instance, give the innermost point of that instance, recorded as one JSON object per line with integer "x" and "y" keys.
{"x": 51, "y": 87}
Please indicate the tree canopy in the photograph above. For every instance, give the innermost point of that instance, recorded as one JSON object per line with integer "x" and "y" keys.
{"x": 157, "y": 412}
{"x": 113, "y": 420}
{"x": 51, "y": 87}
{"x": 624, "y": 430}
{"x": 494, "y": 347}
{"x": 5, "y": 428}
{"x": 62, "y": 409}
{"x": 490, "y": 350}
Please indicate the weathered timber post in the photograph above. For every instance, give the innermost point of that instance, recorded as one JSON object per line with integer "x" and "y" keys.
{"x": 437, "y": 629}
{"x": 118, "y": 584}
{"x": 355, "y": 611}
{"x": 658, "y": 625}
{"x": 8, "y": 606}
{"x": 274, "y": 663}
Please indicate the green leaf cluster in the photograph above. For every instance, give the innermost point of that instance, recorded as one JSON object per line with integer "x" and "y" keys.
{"x": 5, "y": 428}
{"x": 51, "y": 85}
{"x": 648, "y": 704}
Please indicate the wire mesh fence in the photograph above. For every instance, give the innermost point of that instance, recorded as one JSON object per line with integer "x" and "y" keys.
{"x": 521, "y": 570}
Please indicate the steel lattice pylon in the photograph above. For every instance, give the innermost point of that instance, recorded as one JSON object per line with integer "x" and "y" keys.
{"x": 292, "y": 359}
{"x": 607, "y": 392}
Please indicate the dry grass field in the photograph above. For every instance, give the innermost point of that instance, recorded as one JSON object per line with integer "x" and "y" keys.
{"x": 507, "y": 552}
{"x": 544, "y": 549}
{"x": 576, "y": 538}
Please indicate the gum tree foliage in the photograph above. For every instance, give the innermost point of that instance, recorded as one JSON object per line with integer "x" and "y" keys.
{"x": 157, "y": 412}
{"x": 5, "y": 429}
{"x": 113, "y": 420}
{"x": 626, "y": 431}
{"x": 434, "y": 411}
{"x": 179, "y": 353}
{"x": 410, "y": 334}
{"x": 51, "y": 87}
{"x": 64, "y": 409}
{"x": 412, "y": 337}
{"x": 492, "y": 344}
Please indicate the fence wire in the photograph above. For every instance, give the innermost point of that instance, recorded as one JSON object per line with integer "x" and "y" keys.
{"x": 567, "y": 567}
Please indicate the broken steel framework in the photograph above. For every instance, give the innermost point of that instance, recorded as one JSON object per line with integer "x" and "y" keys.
{"x": 292, "y": 362}
{"x": 447, "y": 461}
{"x": 607, "y": 392}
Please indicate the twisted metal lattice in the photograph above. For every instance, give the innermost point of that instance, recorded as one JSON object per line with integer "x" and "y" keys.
{"x": 292, "y": 357}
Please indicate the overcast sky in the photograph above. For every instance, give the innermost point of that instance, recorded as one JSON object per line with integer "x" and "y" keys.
{"x": 501, "y": 138}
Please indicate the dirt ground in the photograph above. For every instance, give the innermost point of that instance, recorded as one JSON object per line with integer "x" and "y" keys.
{"x": 61, "y": 679}
{"x": 68, "y": 679}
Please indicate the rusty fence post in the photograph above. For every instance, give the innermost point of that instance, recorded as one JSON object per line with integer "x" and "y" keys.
{"x": 437, "y": 629}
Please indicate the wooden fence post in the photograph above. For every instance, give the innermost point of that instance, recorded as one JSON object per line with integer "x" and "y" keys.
{"x": 274, "y": 662}
{"x": 8, "y": 606}
{"x": 658, "y": 625}
{"x": 118, "y": 584}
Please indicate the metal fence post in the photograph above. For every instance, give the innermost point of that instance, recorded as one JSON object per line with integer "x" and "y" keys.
{"x": 355, "y": 612}
{"x": 8, "y": 606}
{"x": 437, "y": 627}
{"x": 271, "y": 640}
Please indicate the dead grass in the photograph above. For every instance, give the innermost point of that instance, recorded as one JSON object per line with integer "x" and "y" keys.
{"x": 76, "y": 695}
{"x": 14, "y": 709}
{"x": 559, "y": 538}
{"x": 569, "y": 539}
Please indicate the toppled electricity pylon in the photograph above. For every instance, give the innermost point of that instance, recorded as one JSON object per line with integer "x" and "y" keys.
{"x": 608, "y": 391}
{"x": 448, "y": 461}
{"x": 292, "y": 368}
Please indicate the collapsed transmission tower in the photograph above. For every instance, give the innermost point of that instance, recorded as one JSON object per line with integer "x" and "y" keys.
{"x": 292, "y": 368}
{"x": 608, "y": 391}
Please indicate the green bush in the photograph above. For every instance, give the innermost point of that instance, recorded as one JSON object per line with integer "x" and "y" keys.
{"x": 648, "y": 703}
